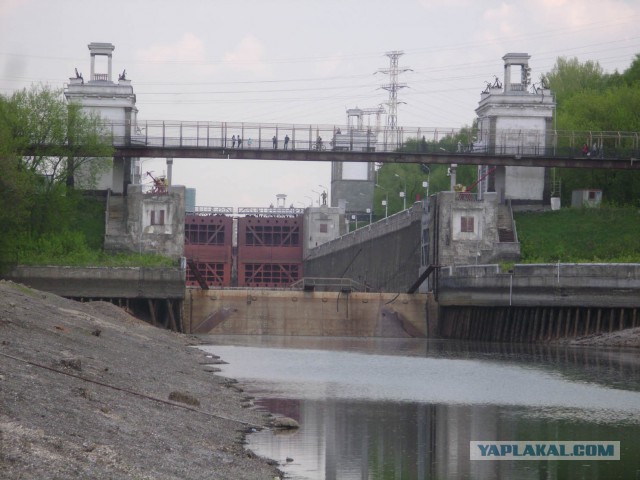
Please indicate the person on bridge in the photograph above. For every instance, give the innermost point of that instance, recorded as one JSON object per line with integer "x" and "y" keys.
{"x": 275, "y": 142}
{"x": 233, "y": 142}
{"x": 239, "y": 142}
{"x": 286, "y": 141}
{"x": 319, "y": 143}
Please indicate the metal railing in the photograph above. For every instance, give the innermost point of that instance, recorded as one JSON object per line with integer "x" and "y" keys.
{"x": 270, "y": 136}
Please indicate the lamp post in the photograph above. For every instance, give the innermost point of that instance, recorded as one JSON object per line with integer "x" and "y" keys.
{"x": 319, "y": 196}
{"x": 370, "y": 212}
{"x": 426, "y": 184}
{"x": 385, "y": 202}
{"x": 403, "y": 194}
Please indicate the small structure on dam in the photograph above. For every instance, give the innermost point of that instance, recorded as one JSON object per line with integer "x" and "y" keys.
{"x": 515, "y": 117}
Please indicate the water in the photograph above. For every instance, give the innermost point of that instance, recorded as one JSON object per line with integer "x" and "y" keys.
{"x": 408, "y": 408}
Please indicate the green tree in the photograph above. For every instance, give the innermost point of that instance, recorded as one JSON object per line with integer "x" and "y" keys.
{"x": 52, "y": 137}
{"x": 43, "y": 147}
{"x": 569, "y": 77}
{"x": 588, "y": 100}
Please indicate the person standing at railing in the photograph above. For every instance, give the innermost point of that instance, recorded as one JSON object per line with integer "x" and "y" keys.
{"x": 239, "y": 142}
{"x": 233, "y": 142}
{"x": 275, "y": 142}
{"x": 286, "y": 141}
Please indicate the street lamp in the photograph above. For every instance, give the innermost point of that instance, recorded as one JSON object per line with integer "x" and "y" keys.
{"x": 385, "y": 202}
{"x": 426, "y": 184}
{"x": 319, "y": 196}
{"x": 403, "y": 194}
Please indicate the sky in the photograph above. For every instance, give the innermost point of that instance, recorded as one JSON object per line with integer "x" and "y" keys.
{"x": 302, "y": 61}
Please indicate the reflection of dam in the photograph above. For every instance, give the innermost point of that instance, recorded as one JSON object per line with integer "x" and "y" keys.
{"x": 408, "y": 408}
{"x": 357, "y": 439}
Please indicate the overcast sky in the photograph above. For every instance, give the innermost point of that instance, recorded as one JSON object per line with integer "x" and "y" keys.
{"x": 302, "y": 61}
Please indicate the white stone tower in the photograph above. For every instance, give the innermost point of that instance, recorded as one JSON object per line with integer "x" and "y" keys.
{"x": 114, "y": 102}
{"x": 515, "y": 119}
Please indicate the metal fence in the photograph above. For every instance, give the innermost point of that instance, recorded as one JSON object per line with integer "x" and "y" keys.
{"x": 263, "y": 136}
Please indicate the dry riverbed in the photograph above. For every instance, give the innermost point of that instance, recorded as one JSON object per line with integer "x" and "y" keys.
{"x": 87, "y": 391}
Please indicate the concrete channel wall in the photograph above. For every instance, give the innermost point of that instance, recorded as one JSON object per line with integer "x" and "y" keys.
{"x": 103, "y": 282}
{"x": 385, "y": 255}
{"x": 552, "y": 285}
{"x": 537, "y": 303}
{"x": 294, "y": 312}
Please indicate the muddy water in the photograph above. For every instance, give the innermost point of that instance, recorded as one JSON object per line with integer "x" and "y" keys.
{"x": 407, "y": 409}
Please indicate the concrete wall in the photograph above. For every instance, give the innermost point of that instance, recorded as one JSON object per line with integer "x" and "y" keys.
{"x": 166, "y": 239}
{"x": 321, "y": 225}
{"x": 584, "y": 285}
{"x": 103, "y": 282}
{"x": 279, "y": 312}
{"x": 451, "y": 246}
{"x": 384, "y": 255}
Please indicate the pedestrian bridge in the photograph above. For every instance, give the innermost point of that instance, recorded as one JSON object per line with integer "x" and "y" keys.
{"x": 343, "y": 143}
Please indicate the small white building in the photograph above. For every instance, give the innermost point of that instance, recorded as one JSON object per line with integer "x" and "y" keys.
{"x": 116, "y": 105}
{"x": 588, "y": 197}
{"x": 515, "y": 119}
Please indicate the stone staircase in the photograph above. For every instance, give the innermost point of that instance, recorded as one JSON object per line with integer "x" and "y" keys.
{"x": 505, "y": 224}
{"x": 115, "y": 229}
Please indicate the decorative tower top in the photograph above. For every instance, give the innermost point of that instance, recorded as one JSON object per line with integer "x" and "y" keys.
{"x": 101, "y": 49}
{"x": 511, "y": 82}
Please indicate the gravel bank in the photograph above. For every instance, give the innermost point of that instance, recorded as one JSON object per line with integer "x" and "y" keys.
{"x": 87, "y": 391}
{"x": 629, "y": 337}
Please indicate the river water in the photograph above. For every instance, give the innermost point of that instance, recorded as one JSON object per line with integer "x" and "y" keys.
{"x": 408, "y": 408}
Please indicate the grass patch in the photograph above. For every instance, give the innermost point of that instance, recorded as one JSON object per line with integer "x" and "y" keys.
{"x": 587, "y": 235}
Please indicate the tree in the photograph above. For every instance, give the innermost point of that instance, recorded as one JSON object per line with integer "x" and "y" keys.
{"x": 51, "y": 137}
{"x": 588, "y": 100}
{"x": 43, "y": 141}
{"x": 570, "y": 77}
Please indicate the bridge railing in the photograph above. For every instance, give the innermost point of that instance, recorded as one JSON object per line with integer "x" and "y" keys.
{"x": 262, "y": 136}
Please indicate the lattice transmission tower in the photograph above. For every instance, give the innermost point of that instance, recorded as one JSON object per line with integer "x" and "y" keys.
{"x": 391, "y": 131}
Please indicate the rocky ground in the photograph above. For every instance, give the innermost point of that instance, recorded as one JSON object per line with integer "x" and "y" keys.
{"x": 87, "y": 391}
{"x": 622, "y": 338}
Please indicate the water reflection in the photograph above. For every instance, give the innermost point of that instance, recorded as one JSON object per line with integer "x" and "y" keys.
{"x": 411, "y": 414}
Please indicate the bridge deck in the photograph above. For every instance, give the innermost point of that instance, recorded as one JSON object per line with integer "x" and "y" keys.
{"x": 329, "y": 143}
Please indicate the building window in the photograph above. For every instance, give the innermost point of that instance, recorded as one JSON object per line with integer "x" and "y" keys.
{"x": 157, "y": 218}
{"x": 467, "y": 224}
{"x": 323, "y": 228}
{"x": 592, "y": 195}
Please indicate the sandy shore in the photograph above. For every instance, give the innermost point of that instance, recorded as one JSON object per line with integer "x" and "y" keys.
{"x": 87, "y": 391}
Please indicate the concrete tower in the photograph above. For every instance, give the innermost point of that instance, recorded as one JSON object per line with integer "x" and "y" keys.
{"x": 352, "y": 183}
{"x": 114, "y": 102}
{"x": 515, "y": 119}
